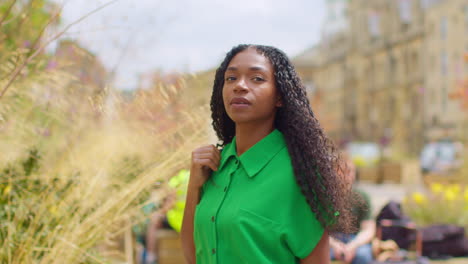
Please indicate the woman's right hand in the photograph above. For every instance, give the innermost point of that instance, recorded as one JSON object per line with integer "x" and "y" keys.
{"x": 205, "y": 159}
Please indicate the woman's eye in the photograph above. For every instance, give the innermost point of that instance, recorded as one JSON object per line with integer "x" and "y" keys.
{"x": 258, "y": 79}
{"x": 230, "y": 78}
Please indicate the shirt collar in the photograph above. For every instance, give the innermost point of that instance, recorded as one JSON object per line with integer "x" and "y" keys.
{"x": 256, "y": 157}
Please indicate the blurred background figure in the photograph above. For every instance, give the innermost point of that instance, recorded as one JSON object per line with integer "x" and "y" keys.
{"x": 167, "y": 216}
{"x": 147, "y": 232}
{"x": 355, "y": 248}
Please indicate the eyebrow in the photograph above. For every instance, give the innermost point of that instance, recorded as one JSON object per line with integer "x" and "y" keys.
{"x": 253, "y": 68}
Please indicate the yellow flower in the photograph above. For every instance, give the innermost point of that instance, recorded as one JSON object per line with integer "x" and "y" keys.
{"x": 7, "y": 190}
{"x": 437, "y": 188}
{"x": 450, "y": 194}
{"x": 359, "y": 161}
{"x": 419, "y": 198}
{"x": 455, "y": 188}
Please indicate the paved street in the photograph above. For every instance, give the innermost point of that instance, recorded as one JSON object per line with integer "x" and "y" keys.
{"x": 380, "y": 194}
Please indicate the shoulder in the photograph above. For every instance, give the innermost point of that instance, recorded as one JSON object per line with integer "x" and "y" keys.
{"x": 282, "y": 158}
{"x": 363, "y": 200}
{"x": 280, "y": 172}
{"x": 360, "y": 193}
{"x": 280, "y": 164}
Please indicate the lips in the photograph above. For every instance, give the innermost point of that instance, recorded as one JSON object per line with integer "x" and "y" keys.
{"x": 240, "y": 101}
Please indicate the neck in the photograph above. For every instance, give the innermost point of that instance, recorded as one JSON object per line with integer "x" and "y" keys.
{"x": 248, "y": 135}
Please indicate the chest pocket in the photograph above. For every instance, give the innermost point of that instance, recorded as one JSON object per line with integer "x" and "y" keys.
{"x": 261, "y": 234}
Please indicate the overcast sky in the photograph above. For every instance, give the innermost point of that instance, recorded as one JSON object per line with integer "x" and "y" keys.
{"x": 137, "y": 36}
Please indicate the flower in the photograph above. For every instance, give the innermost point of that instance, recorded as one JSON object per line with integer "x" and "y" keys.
{"x": 419, "y": 198}
{"x": 437, "y": 188}
{"x": 450, "y": 194}
{"x": 455, "y": 188}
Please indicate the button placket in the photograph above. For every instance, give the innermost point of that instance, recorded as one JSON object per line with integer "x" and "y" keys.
{"x": 222, "y": 197}
{"x": 231, "y": 173}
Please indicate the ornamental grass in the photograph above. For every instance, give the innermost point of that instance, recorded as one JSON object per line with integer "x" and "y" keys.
{"x": 77, "y": 165}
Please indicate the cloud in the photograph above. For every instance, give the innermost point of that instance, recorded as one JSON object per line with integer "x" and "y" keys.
{"x": 139, "y": 36}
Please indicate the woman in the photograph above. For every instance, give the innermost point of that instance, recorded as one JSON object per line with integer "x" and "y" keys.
{"x": 273, "y": 193}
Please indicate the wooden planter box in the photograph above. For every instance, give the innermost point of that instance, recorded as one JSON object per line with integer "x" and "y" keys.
{"x": 443, "y": 179}
{"x": 169, "y": 247}
{"x": 391, "y": 172}
{"x": 406, "y": 173}
{"x": 370, "y": 175}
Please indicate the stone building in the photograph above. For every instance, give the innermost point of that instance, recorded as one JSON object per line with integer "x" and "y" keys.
{"x": 375, "y": 78}
{"x": 446, "y": 69}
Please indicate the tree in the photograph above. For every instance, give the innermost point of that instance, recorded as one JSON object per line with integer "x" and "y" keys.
{"x": 23, "y": 23}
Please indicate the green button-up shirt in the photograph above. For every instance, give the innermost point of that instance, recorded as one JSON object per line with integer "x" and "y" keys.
{"x": 252, "y": 210}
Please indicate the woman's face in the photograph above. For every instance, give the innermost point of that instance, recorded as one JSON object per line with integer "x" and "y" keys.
{"x": 249, "y": 91}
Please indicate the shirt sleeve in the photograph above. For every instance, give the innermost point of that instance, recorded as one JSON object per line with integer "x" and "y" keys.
{"x": 302, "y": 230}
{"x": 365, "y": 208}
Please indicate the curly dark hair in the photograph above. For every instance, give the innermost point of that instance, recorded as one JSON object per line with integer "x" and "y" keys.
{"x": 314, "y": 157}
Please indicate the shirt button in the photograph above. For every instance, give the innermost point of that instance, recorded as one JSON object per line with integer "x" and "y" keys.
{"x": 213, "y": 251}
{"x": 212, "y": 219}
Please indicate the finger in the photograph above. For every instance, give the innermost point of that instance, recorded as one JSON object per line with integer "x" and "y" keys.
{"x": 204, "y": 151}
{"x": 207, "y": 148}
{"x": 208, "y": 163}
{"x": 205, "y": 155}
{"x": 214, "y": 150}
{"x": 209, "y": 156}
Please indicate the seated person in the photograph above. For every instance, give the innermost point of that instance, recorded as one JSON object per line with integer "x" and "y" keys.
{"x": 355, "y": 248}
{"x": 147, "y": 231}
{"x": 169, "y": 215}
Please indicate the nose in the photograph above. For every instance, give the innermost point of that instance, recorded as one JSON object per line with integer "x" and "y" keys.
{"x": 240, "y": 86}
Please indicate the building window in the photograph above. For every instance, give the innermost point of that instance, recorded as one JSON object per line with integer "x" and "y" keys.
{"x": 405, "y": 8}
{"x": 415, "y": 62}
{"x": 430, "y": 29}
{"x": 443, "y": 28}
{"x": 466, "y": 65}
{"x": 443, "y": 63}
{"x": 444, "y": 98}
{"x": 373, "y": 23}
{"x": 466, "y": 18}
{"x": 432, "y": 62}
{"x": 457, "y": 64}
{"x": 425, "y": 3}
